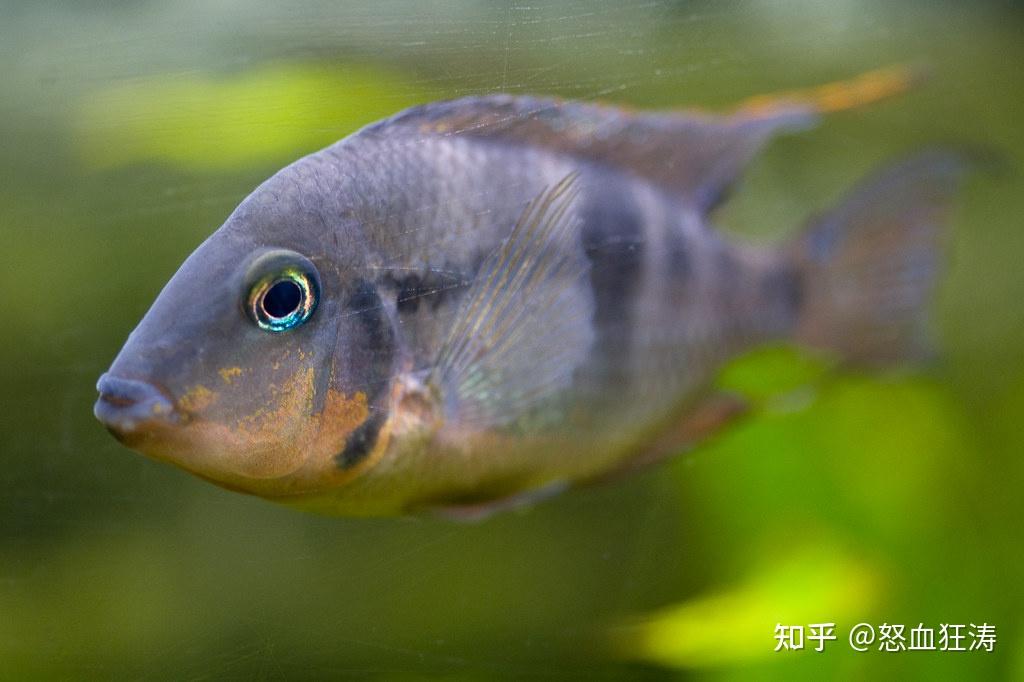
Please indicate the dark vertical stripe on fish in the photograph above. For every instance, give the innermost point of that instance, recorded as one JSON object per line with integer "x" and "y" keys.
{"x": 678, "y": 253}
{"x": 365, "y": 302}
{"x": 727, "y": 274}
{"x": 613, "y": 238}
{"x": 783, "y": 290}
{"x": 374, "y": 365}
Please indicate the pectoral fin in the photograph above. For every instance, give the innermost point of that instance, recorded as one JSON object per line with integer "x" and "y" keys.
{"x": 525, "y": 325}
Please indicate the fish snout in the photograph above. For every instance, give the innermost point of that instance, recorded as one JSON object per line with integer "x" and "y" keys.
{"x": 128, "y": 406}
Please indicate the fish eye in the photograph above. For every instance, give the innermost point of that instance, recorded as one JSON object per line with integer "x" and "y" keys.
{"x": 284, "y": 293}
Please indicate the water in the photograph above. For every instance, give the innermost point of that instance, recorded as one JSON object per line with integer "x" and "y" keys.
{"x": 130, "y": 131}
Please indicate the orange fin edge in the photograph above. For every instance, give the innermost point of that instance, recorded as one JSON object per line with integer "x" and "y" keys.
{"x": 862, "y": 90}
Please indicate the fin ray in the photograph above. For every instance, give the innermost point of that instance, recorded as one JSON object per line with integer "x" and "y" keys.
{"x": 870, "y": 265}
{"x": 526, "y": 322}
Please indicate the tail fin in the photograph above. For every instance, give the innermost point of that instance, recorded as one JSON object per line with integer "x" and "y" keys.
{"x": 868, "y": 268}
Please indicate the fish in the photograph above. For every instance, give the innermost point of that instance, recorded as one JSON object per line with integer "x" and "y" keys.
{"x": 478, "y": 303}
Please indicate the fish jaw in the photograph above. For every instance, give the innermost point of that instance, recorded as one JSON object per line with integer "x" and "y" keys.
{"x": 130, "y": 408}
{"x": 282, "y": 448}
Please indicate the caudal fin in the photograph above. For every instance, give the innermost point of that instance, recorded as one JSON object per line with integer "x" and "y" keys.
{"x": 869, "y": 267}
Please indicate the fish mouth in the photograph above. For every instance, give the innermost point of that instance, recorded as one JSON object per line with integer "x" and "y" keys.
{"x": 130, "y": 408}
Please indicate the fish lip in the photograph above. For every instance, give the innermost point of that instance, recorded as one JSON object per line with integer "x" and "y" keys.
{"x": 130, "y": 406}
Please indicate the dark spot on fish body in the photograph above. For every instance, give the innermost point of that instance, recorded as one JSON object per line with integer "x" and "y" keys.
{"x": 361, "y": 442}
{"x": 430, "y": 287}
{"x": 410, "y": 291}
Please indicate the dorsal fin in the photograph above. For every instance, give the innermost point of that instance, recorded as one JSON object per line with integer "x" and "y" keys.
{"x": 696, "y": 154}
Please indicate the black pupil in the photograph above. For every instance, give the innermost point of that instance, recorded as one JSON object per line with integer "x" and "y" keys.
{"x": 283, "y": 299}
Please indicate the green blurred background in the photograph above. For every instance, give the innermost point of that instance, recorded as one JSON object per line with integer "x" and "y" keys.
{"x": 130, "y": 130}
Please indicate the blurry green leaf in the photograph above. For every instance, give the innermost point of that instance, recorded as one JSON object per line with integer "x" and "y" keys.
{"x": 222, "y": 122}
{"x": 737, "y": 624}
{"x": 771, "y": 371}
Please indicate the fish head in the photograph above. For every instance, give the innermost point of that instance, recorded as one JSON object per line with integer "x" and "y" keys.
{"x": 251, "y": 369}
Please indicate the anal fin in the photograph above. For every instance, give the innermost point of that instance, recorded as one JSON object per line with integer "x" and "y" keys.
{"x": 473, "y": 512}
{"x": 704, "y": 420}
